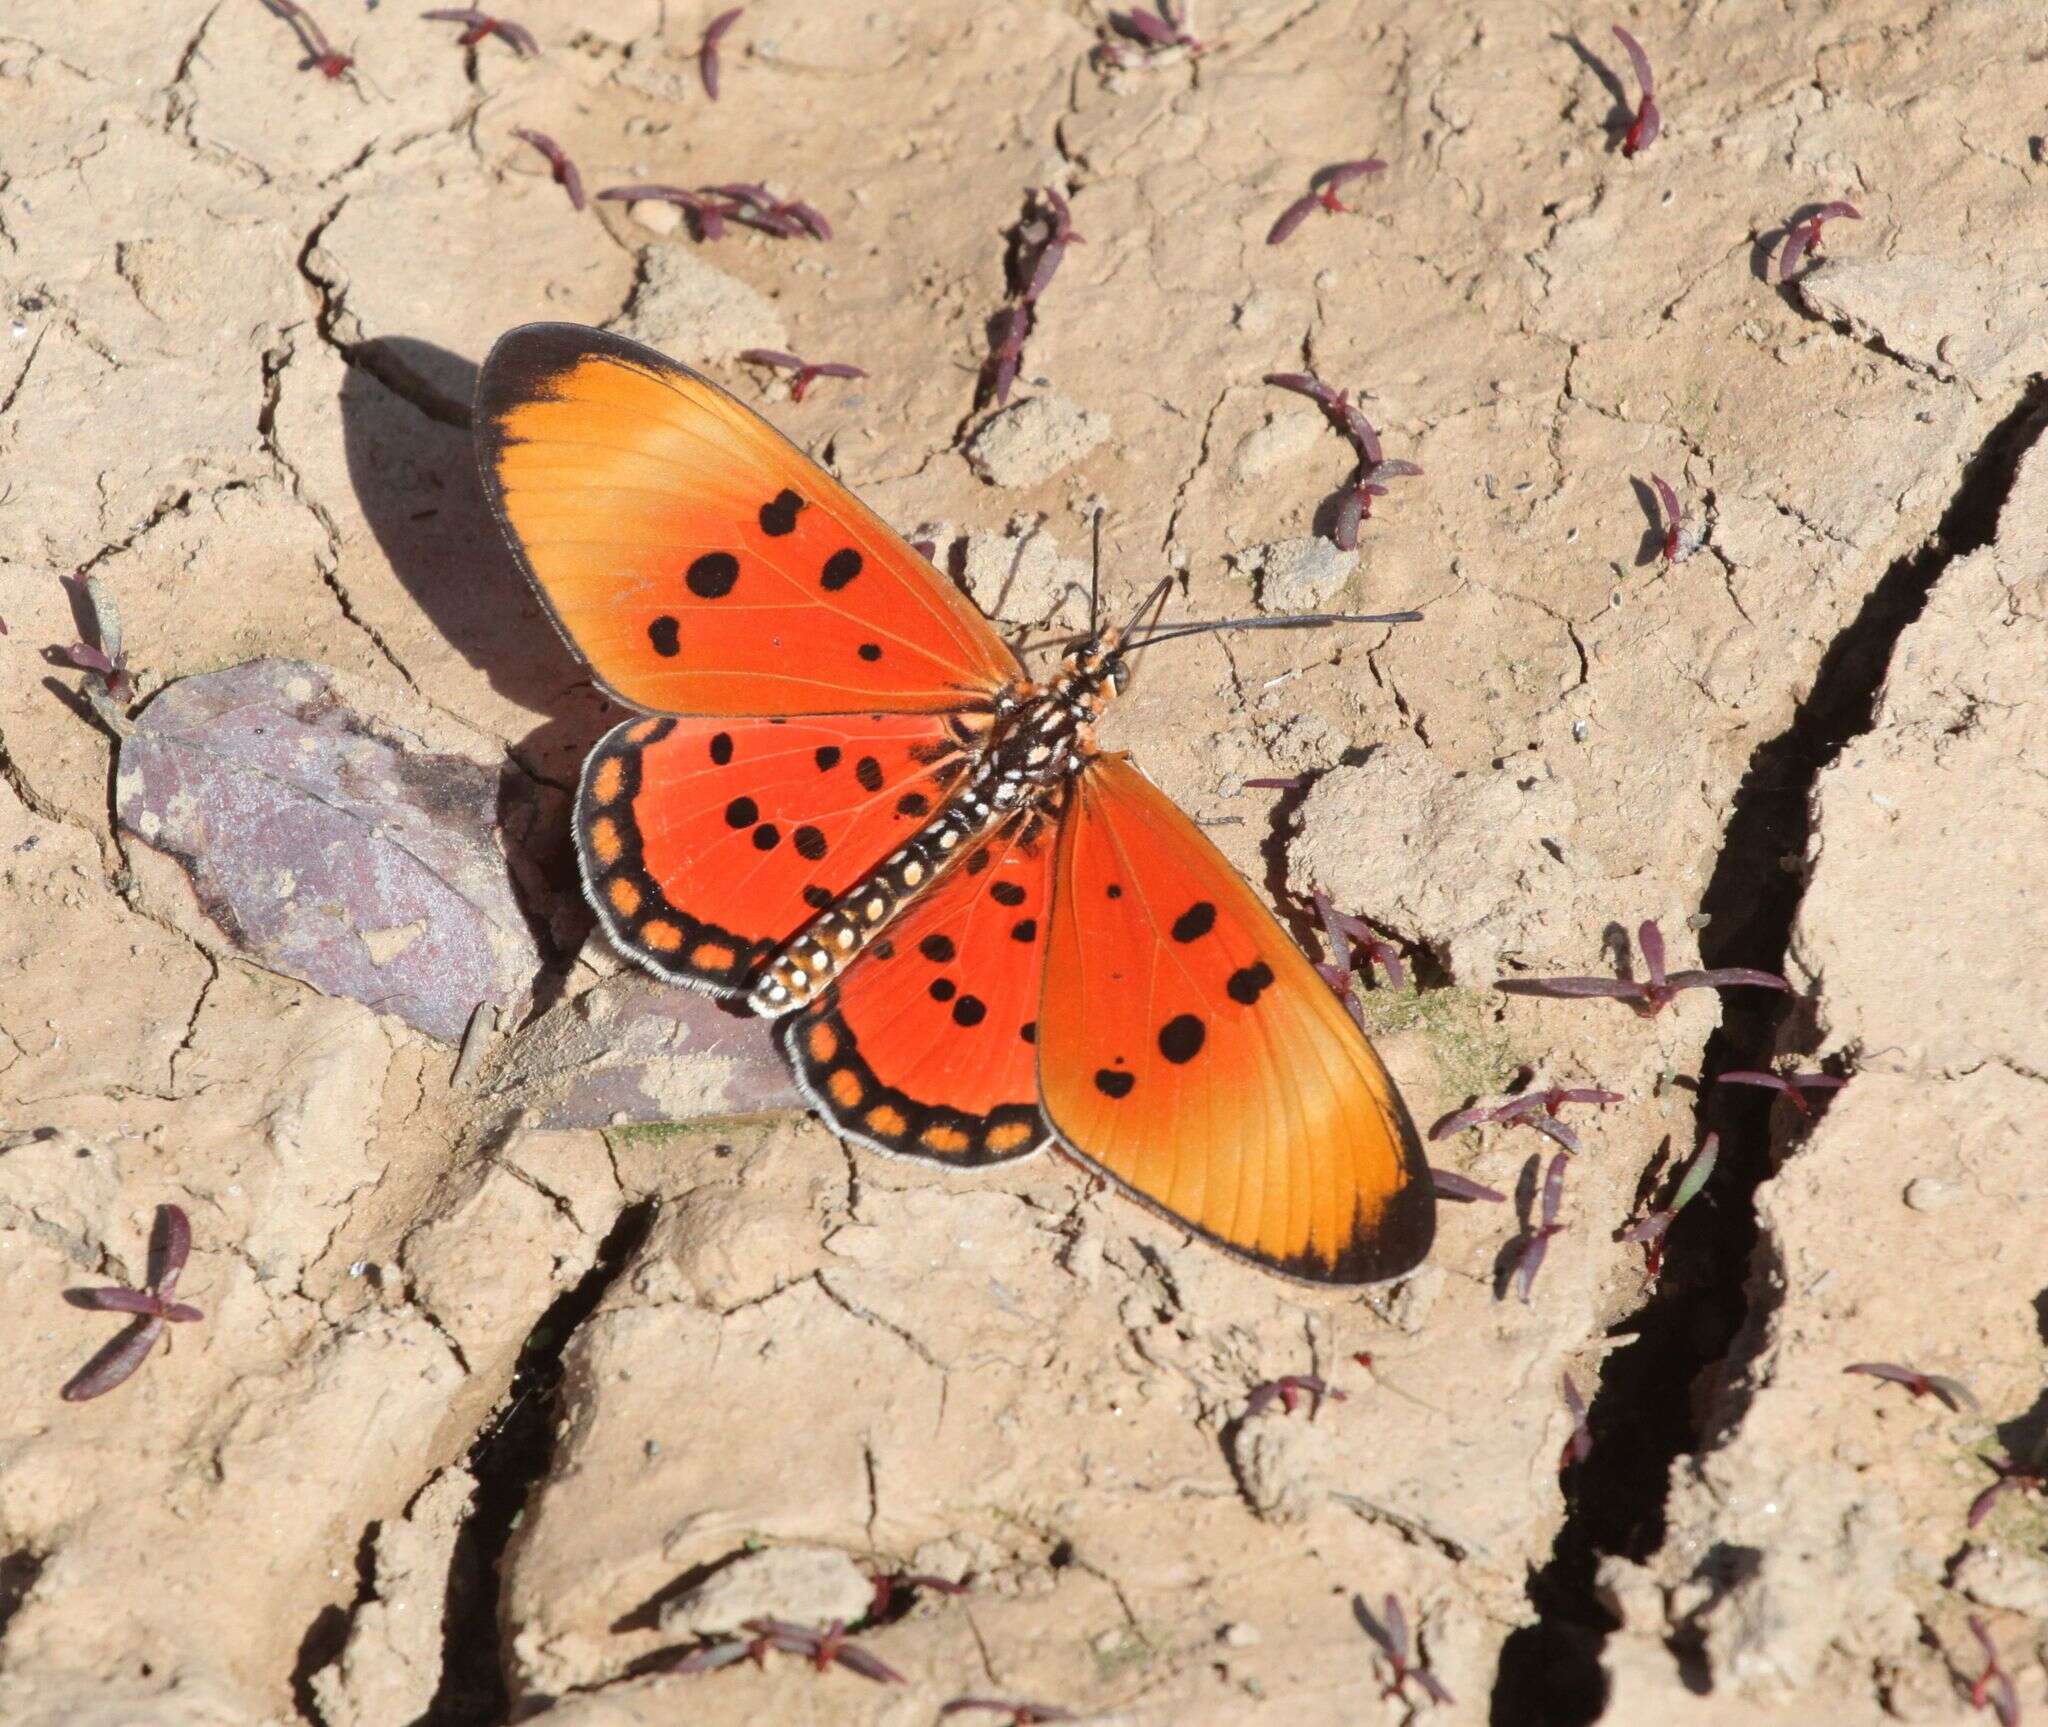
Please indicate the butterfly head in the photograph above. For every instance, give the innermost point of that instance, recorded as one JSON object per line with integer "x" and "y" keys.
{"x": 1096, "y": 670}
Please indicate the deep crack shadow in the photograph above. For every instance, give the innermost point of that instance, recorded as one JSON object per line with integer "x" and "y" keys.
{"x": 1651, "y": 1407}
{"x": 508, "y": 1459}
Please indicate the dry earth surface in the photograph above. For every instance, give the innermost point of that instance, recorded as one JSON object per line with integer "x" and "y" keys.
{"x": 505, "y": 1391}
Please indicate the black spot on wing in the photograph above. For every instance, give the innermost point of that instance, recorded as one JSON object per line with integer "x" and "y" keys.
{"x": 712, "y": 576}
{"x": 1249, "y": 982}
{"x": 1181, "y": 1038}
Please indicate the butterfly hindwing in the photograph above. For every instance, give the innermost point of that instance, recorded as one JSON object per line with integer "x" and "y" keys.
{"x": 706, "y": 843}
{"x": 1189, "y": 1050}
{"x": 700, "y": 562}
{"x": 926, "y": 1047}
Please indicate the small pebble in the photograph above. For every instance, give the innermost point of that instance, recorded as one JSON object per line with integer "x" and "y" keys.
{"x": 1925, "y": 1193}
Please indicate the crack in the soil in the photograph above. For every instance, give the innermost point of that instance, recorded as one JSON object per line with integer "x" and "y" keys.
{"x": 511, "y": 1457}
{"x": 1690, "y": 1329}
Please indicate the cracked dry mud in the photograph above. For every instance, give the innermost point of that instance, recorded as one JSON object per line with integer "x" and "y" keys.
{"x": 503, "y": 1390}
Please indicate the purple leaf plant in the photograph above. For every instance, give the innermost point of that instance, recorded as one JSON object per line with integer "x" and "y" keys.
{"x": 1792, "y": 1086}
{"x": 1537, "y": 1109}
{"x": 1994, "y": 1687}
{"x": 1951, "y": 1392}
{"x": 1579, "y": 1446}
{"x": 822, "y": 1649}
{"x": 1536, "y": 1236}
{"x": 479, "y": 25}
{"x": 1354, "y": 501}
{"x": 707, "y": 51}
{"x": 1648, "y": 122}
{"x": 1288, "y": 1391}
{"x": 1039, "y": 243}
{"x": 153, "y": 1306}
{"x": 807, "y": 371}
{"x": 1802, "y": 240}
{"x": 1323, "y": 187}
{"x": 1649, "y": 1231}
{"x": 562, "y": 170}
{"x": 1648, "y": 997}
{"x": 1390, "y": 1631}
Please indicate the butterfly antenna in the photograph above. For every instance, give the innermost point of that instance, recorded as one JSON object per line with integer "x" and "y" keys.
{"x": 1303, "y": 621}
{"x": 1151, "y": 605}
{"x": 1095, "y": 579}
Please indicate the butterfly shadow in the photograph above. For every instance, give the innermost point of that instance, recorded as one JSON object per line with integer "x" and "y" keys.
{"x": 412, "y": 462}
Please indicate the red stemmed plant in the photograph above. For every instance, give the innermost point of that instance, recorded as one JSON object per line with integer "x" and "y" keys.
{"x": 1802, "y": 241}
{"x": 1323, "y": 187}
{"x": 1390, "y": 1632}
{"x": 1649, "y": 121}
{"x": 1537, "y": 1109}
{"x": 153, "y": 1306}
{"x": 1648, "y": 996}
{"x": 1649, "y": 1231}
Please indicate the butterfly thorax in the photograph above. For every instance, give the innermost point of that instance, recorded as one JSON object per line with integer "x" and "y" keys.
{"x": 1036, "y": 740}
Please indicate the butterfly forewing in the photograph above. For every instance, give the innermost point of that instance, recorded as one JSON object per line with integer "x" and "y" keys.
{"x": 927, "y": 1046}
{"x": 697, "y": 559}
{"x": 1189, "y": 1051}
{"x": 707, "y": 843}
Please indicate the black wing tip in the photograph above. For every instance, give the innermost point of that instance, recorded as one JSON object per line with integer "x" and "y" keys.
{"x": 526, "y": 359}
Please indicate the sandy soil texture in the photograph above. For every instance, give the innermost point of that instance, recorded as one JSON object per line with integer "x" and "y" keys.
{"x": 546, "y": 1341}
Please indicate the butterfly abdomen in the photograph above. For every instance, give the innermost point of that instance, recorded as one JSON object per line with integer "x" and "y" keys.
{"x": 1032, "y": 759}
{"x": 817, "y": 954}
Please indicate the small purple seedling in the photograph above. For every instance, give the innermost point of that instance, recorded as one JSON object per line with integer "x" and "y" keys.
{"x": 1952, "y": 1392}
{"x": 1390, "y": 1632}
{"x": 1354, "y": 502}
{"x": 821, "y": 1648}
{"x": 1648, "y": 998}
{"x": 1994, "y": 1685}
{"x": 1288, "y": 1391}
{"x": 559, "y": 165}
{"x": 888, "y": 1584}
{"x": 1643, "y": 129}
{"x": 154, "y": 1305}
{"x": 1323, "y": 187}
{"x": 1354, "y": 946}
{"x": 1152, "y": 31}
{"x": 2012, "y": 1474}
{"x": 479, "y": 25}
{"x": 1537, "y": 1109}
{"x": 1794, "y": 1086}
{"x": 706, "y": 216}
{"x": 756, "y": 207}
{"x": 1041, "y": 241}
{"x": 1020, "y": 1714}
{"x": 1536, "y": 1236}
{"x": 707, "y": 51}
{"x": 1649, "y": 1232}
{"x": 805, "y": 370}
{"x": 1677, "y": 545}
{"x": 1579, "y": 1446}
{"x": 1449, "y": 1184}
{"x": 321, "y": 55}
{"x": 1804, "y": 238}
{"x": 109, "y": 686}
{"x": 1048, "y": 236}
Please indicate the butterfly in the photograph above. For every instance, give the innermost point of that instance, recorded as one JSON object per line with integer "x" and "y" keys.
{"x": 841, "y": 802}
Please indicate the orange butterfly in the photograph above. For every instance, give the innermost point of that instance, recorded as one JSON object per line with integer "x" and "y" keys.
{"x": 847, "y": 806}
